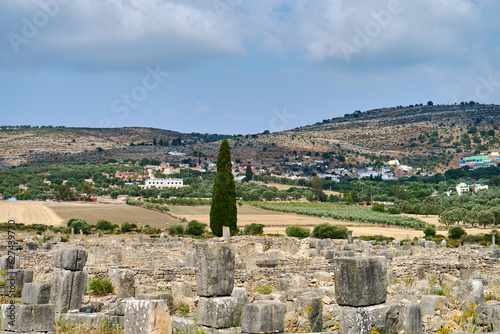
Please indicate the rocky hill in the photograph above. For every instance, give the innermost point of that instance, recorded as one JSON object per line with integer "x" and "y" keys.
{"x": 431, "y": 136}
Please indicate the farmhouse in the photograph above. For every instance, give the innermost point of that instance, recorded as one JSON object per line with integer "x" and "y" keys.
{"x": 163, "y": 183}
{"x": 462, "y": 187}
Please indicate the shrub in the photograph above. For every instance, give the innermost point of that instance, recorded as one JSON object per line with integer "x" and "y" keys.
{"x": 127, "y": 227}
{"x": 176, "y": 230}
{"x": 79, "y": 225}
{"x": 104, "y": 225}
{"x": 254, "y": 229}
{"x": 183, "y": 308}
{"x": 265, "y": 289}
{"x": 100, "y": 286}
{"x": 394, "y": 210}
{"x": 430, "y": 231}
{"x": 195, "y": 228}
{"x": 326, "y": 230}
{"x": 378, "y": 208}
{"x": 297, "y": 231}
{"x": 456, "y": 232}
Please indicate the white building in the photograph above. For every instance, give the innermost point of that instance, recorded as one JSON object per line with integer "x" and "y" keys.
{"x": 461, "y": 188}
{"x": 163, "y": 183}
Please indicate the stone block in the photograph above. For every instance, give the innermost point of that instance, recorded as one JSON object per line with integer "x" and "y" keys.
{"x": 67, "y": 289}
{"x": 123, "y": 282}
{"x": 166, "y": 296}
{"x": 215, "y": 271}
{"x": 70, "y": 258}
{"x": 487, "y": 315}
{"x": 32, "y": 246}
{"x": 147, "y": 317}
{"x": 36, "y": 293}
{"x": 360, "y": 281}
{"x": 430, "y": 244}
{"x": 420, "y": 272}
{"x": 282, "y": 284}
{"x": 469, "y": 292}
{"x": 263, "y": 317}
{"x": 323, "y": 276}
{"x": 9, "y": 262}
{"x": 410, "y": 318}
{"x": 362, "y": 320}
{"x": 432, "y": 303}
{"x": 241, "y": 295}
{"x": 298, "y": 282}
{"x": 218, "y": 312}
{"x": 28, "y": 318}
{"x": 15, "y": 280}
{"x": 311, "y": 306}
{"x": 182, "y": 289}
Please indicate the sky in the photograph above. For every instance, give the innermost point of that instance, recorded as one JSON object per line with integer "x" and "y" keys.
{"x": 239, "y": 66}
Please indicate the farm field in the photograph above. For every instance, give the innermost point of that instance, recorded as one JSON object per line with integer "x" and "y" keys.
{"x": 58, "y": 213}
{"x": 276, "y": 222}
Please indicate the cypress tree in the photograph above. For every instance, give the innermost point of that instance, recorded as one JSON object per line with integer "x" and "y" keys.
{"x": 223, "y": 210}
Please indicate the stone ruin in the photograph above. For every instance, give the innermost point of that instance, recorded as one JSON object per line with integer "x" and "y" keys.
{"x": 318, "y": 285}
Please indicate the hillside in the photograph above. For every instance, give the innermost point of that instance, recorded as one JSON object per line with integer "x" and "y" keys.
{"x": 430, "y": 136}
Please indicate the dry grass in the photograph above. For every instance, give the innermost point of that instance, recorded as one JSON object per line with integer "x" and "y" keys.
{"x": 62, "y": 327}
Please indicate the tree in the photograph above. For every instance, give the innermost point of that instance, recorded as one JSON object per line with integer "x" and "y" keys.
{"x": 317, "y": 185}
{"x": 64, "y": 193}
{"x": 447, "y": 218}
{"x": 354, "y": 196}
{"x": 485, "y": 218}
{"x": 223, "y": 211}
{"x": 248, "y": 173}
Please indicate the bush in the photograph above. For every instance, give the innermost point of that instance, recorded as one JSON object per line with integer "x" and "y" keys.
{"x": 79, "y": 225}
{"x": 254, "y": 229}
{"x": 430, "y": 231}
{"x": 195, "y": 228}
{"x": 394, "y": 210}
{"x": 265, "y": 289}
{"x": 176, "y": 230}
{"x": 297, "y": 231}
{"x": 104, "y": 225}
{"x": 100, "y": 286}
{"x": 456, "y": 232}
{"x": 326, "y": 230}
{"x": 379, "y": 208}
{"x": 127, "y": 227}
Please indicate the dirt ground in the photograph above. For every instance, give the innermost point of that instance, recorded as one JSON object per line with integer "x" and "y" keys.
{"x": 28, "y": 212}
{"x": 58, "y": 213}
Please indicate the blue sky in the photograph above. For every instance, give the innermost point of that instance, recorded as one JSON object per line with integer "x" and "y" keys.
{"x": 239, "y": 66}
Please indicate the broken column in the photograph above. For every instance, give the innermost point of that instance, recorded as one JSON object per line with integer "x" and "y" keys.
{"x": 214, "y": 284}
{"x": 123, "y": 282}
{"x": 147, "y": 317}
{"x": 263, "y": 317}
{"x": 17, "y": 318}
{"x": 361, "y": 292}
{"x": 13, "y": 277}
{"x": 69, "y": 282}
